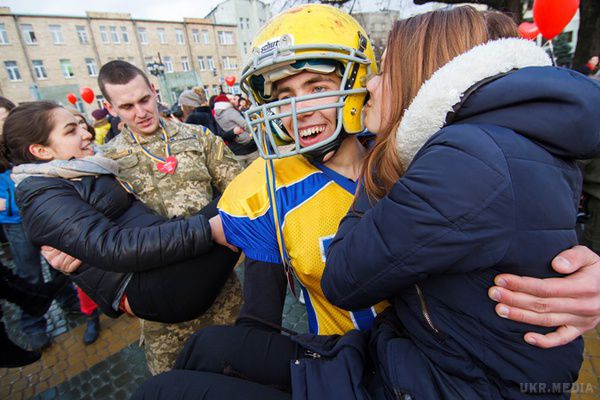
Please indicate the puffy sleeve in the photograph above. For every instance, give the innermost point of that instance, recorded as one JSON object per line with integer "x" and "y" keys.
{"x": 452, "y": 212}
{"x": 54, "y": 214}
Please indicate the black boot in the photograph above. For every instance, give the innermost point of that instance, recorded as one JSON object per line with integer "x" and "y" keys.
{"x": 33, "y": 299}
{"x": 11, "y": 355}
{"x": 92, "y": 331}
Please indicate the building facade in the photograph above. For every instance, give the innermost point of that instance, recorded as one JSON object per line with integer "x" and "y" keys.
{"x": 47, "y": 57}
{"x": 248, "y": 15}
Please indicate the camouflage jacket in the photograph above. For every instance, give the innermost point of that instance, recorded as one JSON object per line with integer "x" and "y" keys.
{"x": 203, "y": 161}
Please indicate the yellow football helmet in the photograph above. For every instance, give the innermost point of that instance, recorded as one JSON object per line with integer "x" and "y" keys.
{"x": 316, "y": 38}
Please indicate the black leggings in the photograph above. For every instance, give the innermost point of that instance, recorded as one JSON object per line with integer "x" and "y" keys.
{"x": 228, "y": 362}
{"x": 183, "y": 291}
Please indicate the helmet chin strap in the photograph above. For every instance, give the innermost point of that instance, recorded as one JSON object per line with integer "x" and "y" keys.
{"x": 317, "y": 155}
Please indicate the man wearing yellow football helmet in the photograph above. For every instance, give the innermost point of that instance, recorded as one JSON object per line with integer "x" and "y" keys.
{"x": 307, "y": 92}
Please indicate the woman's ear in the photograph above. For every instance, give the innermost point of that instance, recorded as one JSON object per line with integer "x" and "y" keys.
{"x": 41, "y": 152}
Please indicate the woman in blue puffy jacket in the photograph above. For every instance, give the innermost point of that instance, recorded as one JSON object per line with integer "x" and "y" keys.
{"x": 473, "y": 174}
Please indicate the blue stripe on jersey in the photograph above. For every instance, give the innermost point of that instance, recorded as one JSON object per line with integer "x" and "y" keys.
{"x": 363, "y": 318}
{"x": 256, "y": 237}
{"x": 313, "y": 324}
{"x": 348, "y": 184}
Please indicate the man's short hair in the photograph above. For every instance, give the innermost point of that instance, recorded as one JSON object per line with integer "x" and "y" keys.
{"x": 118, "y": 72}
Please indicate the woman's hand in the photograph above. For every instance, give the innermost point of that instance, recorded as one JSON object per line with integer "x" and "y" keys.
{"x": 571, "y": 302}
{"x": 218, "y": 235}
{"x": 60, "y": 261}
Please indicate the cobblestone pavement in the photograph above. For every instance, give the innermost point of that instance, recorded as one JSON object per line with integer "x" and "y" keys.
{"x": 114, "y": 366}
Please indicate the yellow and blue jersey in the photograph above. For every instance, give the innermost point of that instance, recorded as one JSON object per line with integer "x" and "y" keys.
{"x": 311, "y": 201}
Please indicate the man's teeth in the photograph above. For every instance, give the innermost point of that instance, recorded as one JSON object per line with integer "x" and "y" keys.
{"x": 311, "y": 131}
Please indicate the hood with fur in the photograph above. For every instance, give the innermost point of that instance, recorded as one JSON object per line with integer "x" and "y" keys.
{"x": 546, "y": 104}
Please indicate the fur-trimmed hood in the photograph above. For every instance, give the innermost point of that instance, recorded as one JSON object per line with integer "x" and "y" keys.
{"x": 556, "y": 106}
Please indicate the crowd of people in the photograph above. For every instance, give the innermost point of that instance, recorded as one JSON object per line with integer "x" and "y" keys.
{"x": 427, "y": 208}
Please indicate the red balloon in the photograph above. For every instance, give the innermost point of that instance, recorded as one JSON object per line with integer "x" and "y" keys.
{"x": 71, "y": 98}
{"x": 230, "y": 80}
{"x": 551, "y": 16}
{"x": 529, "y": 30}
{"x": 87, "y": 94}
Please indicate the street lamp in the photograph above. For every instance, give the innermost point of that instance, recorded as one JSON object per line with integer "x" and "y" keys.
{"x": 156, "y": 68}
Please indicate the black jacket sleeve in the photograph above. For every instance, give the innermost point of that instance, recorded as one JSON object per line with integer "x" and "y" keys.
{"x": 265, "y": 287}
{"x": 56, "y": 215}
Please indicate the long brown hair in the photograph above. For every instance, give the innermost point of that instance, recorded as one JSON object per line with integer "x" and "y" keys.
{"x": 29, "y": 123}
{"x": 416, "y": 48}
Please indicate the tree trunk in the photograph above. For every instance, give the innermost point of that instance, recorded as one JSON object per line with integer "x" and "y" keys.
{"x": 588, "y": 36}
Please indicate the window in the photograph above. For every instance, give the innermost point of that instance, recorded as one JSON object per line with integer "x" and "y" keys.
{"x": 216, "y": 89}
{"x": 161, "y": 35}
{"x": 28, "y": 34}
{"x": 247, "y": 23}
{"x": 12, "y": 70}
{"x": 241, "y": 23}
{"x": 90, "y": 64}
{"x": 168, "y": 64}
{"x": 245, "y": 47}
{"x": 225, "y": 37}
{"x": 179, "y": 36}
{"x": 142, "y": 35}
{"x": 201, "y": 64}
{"x": 196, "y": 36}
{"x": 124, "y": 34}
{"x": 3, "y": 35}
{"x": 56, "y": 32}
{"x": 205, "y": 38}
{"x": 114, "y": 35}
{"x": 185, "y": 64}
{"x": 40, "y": 70}
{"x": 211, "y": 63}
{"x": 229, "y": 62}
{"x": 66, "y": 68}
{"x": 82, "y": 34}
{"x": 104, "y": 35}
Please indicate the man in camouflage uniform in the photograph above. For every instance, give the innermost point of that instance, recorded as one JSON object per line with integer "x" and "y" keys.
{"x": 202, "y": 160}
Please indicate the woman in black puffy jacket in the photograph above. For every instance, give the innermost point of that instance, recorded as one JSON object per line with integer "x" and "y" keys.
{"x": 134, "y": 260}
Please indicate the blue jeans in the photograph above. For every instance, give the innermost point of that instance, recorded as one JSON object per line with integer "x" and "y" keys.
{"x": 28, "y": 264}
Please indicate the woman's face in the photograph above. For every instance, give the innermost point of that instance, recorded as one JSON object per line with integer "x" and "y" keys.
{"x": 379, "y": 101}
{"x": 68, "y": 139}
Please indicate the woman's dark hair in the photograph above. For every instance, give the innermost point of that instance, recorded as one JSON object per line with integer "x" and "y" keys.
{"x": 27, "y": 124}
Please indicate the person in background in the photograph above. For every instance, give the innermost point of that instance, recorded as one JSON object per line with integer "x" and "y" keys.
{"x": 244, "y": 104}
{"x": 26, "y": 256}
{"x": 230, "y": 119}
{"x": 116, "y": 126}
{"x": 201, "y": 161}
{"x": 101, "y": 125}
{"x": 196, "y": 110}
{"x": 33, "y": 299}
{"x": 590, "y": 67}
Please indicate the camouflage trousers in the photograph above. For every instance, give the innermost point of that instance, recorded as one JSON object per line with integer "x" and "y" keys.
{"x": 163, "y": 342}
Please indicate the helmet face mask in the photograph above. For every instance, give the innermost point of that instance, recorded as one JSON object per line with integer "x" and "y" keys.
{"x": 278, "y": 55}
